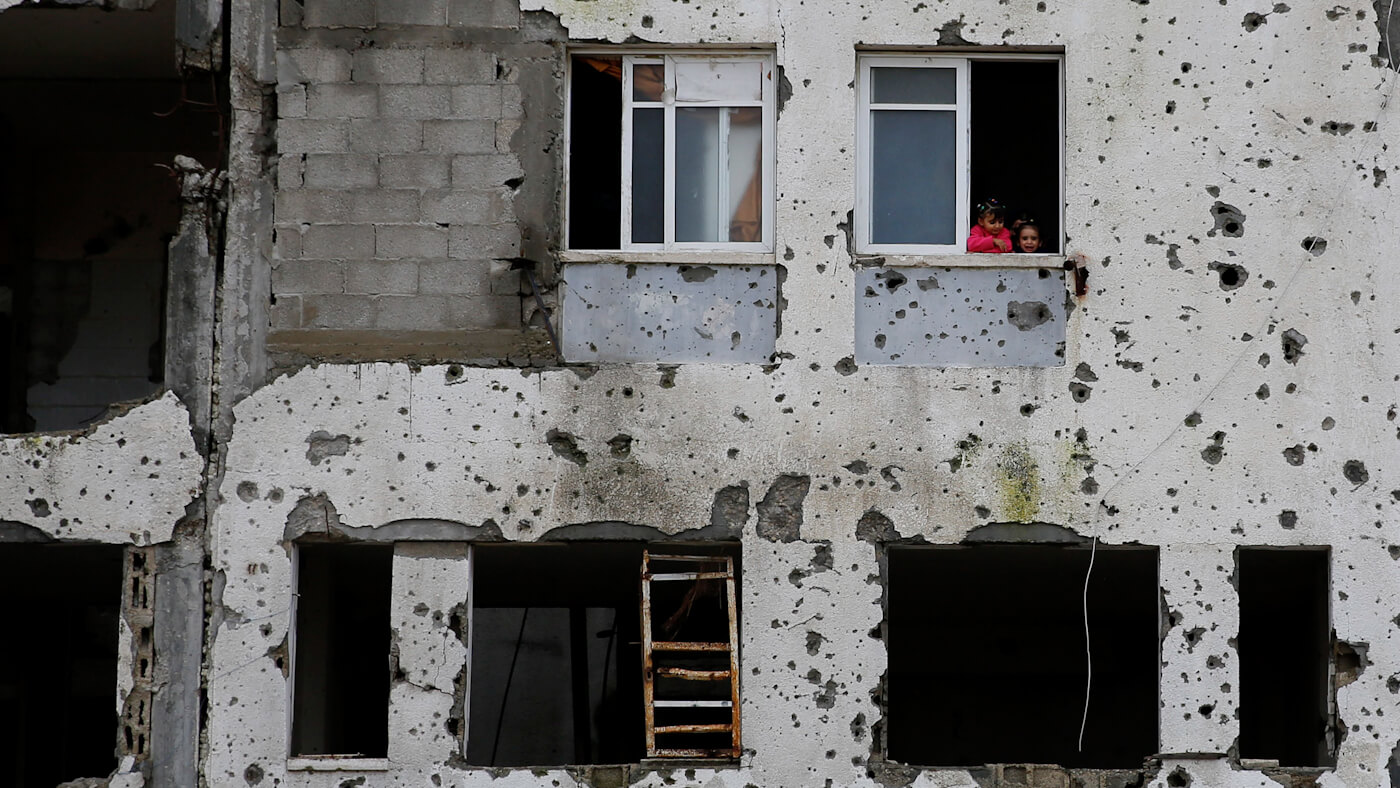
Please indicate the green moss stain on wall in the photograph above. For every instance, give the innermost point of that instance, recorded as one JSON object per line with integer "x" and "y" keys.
{"x": 1018, "y": 482}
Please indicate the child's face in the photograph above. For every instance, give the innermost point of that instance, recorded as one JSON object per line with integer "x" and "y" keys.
{"x": 990, "y": 222}
{"x": 1029, "y": 239}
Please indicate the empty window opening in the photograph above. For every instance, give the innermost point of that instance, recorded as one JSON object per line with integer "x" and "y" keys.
{"x": 93, "y": 111}
{"x": 1284, "y": 646}
{"x": 986, "y": 655}
{"x": 341, "y": 651}
{"x": 58, "y": 675}
{"x": 671, "y": 151}
{"x": 938, "y": 135}
{"x": 556, "y": 650}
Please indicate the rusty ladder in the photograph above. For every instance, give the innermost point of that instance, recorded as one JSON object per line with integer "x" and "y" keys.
{"x": 722, "y": 659}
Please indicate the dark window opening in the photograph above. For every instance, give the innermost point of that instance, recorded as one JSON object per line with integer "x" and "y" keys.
{"x": 556, "y": 655}
{"x": 58, "y": 675}
{"x": 595, "y": 153}
{"x": 341, "y": 679}
{"x": 1015, "y": 152}
{"x": 91, "y": 118}
{"x": 1284, "y": 646}
{"x": 986, "y": 655}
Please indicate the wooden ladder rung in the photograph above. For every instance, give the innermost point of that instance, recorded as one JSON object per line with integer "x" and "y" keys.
{"x": 693, "y": 675}
{"x": 716, "y": 727}
{"x": 662, "y": 576}
{"x": 691, "y": 704}
{"x": 687, "y": 645}
{"x": 671, "y": 753}
{"x": 710, "y": 558}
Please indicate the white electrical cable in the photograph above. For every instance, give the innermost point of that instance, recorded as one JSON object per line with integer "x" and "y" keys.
{"x": 1088, "y": 654}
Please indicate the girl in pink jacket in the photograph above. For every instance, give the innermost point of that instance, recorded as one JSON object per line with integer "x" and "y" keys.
{"x": 990, "y": 233}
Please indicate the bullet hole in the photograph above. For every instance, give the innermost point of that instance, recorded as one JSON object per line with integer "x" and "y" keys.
{"x": 1263, "y": 392}
{"x": 648, "y": 22}
{"x": 860, "y": 467}
{"x": 38, "y": 507}
{"x": 1253, "y": 21}
{"x": 893, "y": 280}
{"x": 1288, "y": 519}
{"x": 454, "y": 373}
{"x": 565, "y": 445}
{"x": 247, "y": 491}
{"x": 927, "y": 283}
{"x": 1229, "y": 221}
{"x": 253, "y": 775}
{"x": 814, "y": 643}
{"x": 780, "y": 511}
{"x": 1294, "y": 454}
{"x": 982, "y": 512}
{"x": 1179, "y": 778}
{"x": 620, "y": 446}
{"x": 1264, "y": 360}
{"x": 1232, "y": 276}
{"x": 1328, "y": 423}
{"x": 697, "y": 273}
{"x": 741, "y": 415}
{"x": 1185, "y": 68}
{"x": 1293, "y": 343}
{"x": 874, "y": 527}
{"x": 1171, "y": 107}
{"x": 1026, "y": 315}
{"x": 1335, "y": 127}
{"x": 846, "y": 366}
{"x": 1378, "y": 176}
{"x": 1090, "y": 486}
{"x": 1356, "y": 296}
{"x": 1213, "y": 453}
{"x": 1192, "y": 420}
{"x": 668, "y": 377}
{"x": 1085, "y": 373}
{"x": 1206, "y": 709}
{"x": 513, "y": 183}
{"x": 1355, "y": 472}
{"x": 880, "y": 341}
{"x": 1028, "y": 409}
{"x": 1079, "y": 391}
{"x": 1315, "y": 245}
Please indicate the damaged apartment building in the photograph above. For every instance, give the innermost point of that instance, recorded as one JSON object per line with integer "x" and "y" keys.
{"x": 601, "y": 392}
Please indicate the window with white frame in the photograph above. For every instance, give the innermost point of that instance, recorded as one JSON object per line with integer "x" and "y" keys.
{"x": 670, "y": 151}
{"x": 939, "y": 135}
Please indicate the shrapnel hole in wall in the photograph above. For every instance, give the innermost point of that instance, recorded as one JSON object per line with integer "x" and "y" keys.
{"x": 58, "y": 672}
{"x": 556, "y": 649}
{"x": 341, "y": 674}
{"x": 1284, "y": 646}
{"x": 138, "y": 609}
{"x": 93, "y": 110}
{"x": 986, "y": 655}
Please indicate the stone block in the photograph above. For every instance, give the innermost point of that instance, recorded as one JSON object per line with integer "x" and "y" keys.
{"x": 339, "y": 311}
{"x": 309, "y": 276}
{"x": 512, "y": 101}
{"x": 339, "y": 13}
{"x": 386, "y": 136}
{"x": 475, "y": 101}
{"x": 338, "y": 241}
{"x": 420, "y": 170}
{"x": 291, "y": 169}
{"x": 459, "y": 136}
{"x": 384, "y": 205}
{"x": 459, "y": 206}
{"x": 342, "y": 171}
{"x": 483, "y": 242}
{"x": 301, "y": 135}
{"x": 450, "y": 277}
{"x": 486, "y": 171}
{"x": 396, "y": 241}
{"x": 413, "y": 313}
{"x": 291, "y": 101}
{"x": 342, "y": 100}
{"x": 415, "y": 101}
{"x": 458, "y": 66}
{"x": 285, "y": 312}
{"x": 505, "y": 130}
{"x": 286, "y": 242}
{"x": 314, "y": 65}
{"x": 485, "y": 311}
{"x": 312, "y": 205}
{"x": 395, "y": 66}
{"x": 381, "y": 276}
{"x": 413, "y": 12}
{"x": 484, "y": 13}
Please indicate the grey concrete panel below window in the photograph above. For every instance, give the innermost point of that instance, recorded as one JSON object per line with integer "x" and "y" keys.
{"x": 960, "y": 317}
{"x": 674, "y": 313}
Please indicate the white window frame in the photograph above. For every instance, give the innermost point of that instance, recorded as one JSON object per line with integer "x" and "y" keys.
{"x": 962, "y": 107}
{"x": 669, "y": 103}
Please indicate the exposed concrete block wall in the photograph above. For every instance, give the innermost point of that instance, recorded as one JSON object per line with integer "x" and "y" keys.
{"x": 405, "y": 130}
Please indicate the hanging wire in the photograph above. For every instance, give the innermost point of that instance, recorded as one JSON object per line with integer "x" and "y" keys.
{"x": 1088, "y": 653}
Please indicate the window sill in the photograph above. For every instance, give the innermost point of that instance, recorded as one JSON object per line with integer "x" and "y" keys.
{"x": 675, "y": 257}
{"x": 967, "y": 260}
{"x": 336, "y": 763}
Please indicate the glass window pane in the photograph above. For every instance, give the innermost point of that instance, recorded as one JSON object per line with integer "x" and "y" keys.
{"x": 648, "y": 81}
{"x": 913, "y": 85}
{"x": 913, "y": 189}
{"x": 698, "y": 171}
{"x": 746, "y": 174}
{"x": 719, "y": 80}
{"x": 648, "y": 175}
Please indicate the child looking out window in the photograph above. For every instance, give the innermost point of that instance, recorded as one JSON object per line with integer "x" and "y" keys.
{"x": 990, "y": 233}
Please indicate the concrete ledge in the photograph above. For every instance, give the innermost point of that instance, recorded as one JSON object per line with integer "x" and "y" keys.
{"x": 298, "y": 347}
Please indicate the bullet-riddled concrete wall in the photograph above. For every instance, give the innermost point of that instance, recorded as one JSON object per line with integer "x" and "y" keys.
{"x": 1228, "y": 380}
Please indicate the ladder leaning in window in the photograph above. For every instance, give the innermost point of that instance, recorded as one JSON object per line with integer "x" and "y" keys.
{"x": 690, "y": 659}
